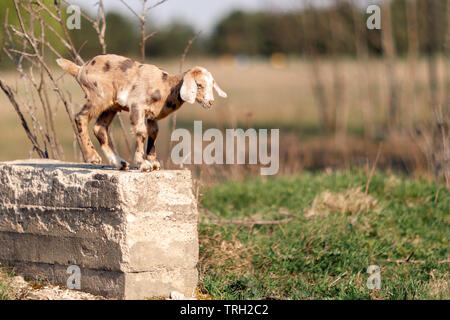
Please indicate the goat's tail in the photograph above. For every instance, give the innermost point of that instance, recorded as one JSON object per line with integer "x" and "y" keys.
{"x": 68, "y": 66}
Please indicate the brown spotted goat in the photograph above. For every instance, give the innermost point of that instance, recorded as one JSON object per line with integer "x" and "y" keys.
{"x": 113, "y": 83}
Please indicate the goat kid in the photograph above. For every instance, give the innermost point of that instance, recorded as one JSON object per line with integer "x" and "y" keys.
{"x": 114, "y": 83}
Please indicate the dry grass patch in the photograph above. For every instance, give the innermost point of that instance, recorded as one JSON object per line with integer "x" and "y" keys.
{"x": 216, "y": 252}
{"x": 352, "y": 202}
{"x": 439, "y": 288}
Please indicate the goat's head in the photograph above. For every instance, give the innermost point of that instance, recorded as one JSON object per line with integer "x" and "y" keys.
{"x": 198, "y": 84}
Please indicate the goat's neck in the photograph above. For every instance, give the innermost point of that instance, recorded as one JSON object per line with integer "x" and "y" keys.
{"x": 175, "y": 83}
{"x": 173, "y": 99}
{"x": 176, "y": 80}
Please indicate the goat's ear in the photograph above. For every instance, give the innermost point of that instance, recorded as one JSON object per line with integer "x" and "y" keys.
{"x": 221, "y": 93}
{"x": 188, "y": 90}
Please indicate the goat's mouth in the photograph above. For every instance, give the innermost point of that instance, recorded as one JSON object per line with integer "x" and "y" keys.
{"x": 206, "y": 105}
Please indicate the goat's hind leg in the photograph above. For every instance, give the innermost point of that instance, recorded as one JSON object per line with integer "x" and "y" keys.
{"x": 82, "y": 120}
{"x": 101, "y": 132}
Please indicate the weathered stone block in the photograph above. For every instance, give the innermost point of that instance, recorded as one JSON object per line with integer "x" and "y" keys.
{"x": 133, "y": 235}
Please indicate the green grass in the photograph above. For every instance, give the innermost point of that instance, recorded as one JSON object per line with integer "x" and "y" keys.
{"x": 326, "y": 256}
{"x": 324, "y": 253}
{"x": 5, "y": 290}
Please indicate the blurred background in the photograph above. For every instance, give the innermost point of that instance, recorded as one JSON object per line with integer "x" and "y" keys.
{"x": 342, "y": 95}
{"x": 347, "y": 100}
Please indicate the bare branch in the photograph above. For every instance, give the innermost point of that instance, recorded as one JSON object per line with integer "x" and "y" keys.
{"x": 101, "y": 34}
{"x": 143, "y": 29}
{"x": 131, "y": 9}
{"x": 50, "y": 12}
{"x": 142, "y": 19}
{"x": 46, "y": 43}
{"x": 2, "y": 45}
{"x": 57, "y": 6}
{"x": 48, "y": 26}
{"x": 8, "y": 92}
{"x": 186, "y": 50}
{"x": 151, "y": 35}
{"x": 218, "y": 220}
{"x": 45, "y": 67}
{"x": 183, "y": 57}
{"x": 156, "y": 5}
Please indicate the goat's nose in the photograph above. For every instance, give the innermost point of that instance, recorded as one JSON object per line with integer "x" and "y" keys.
{"x": 210, "y": 103}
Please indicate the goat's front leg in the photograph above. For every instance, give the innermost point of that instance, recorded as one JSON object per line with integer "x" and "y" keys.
{"x": 152, "y": 131}
{"x": 137, "y": 119}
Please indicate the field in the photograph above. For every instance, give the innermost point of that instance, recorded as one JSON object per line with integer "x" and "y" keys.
{"x": 336, "y": 232}
{"x": 312, "y": 231}
{"x": 329, "y": 231}
{"x": 265, "y": 95}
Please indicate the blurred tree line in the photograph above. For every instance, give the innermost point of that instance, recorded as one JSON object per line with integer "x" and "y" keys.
{"x": 326, "y": 30}
{"x": 329, "y": 30}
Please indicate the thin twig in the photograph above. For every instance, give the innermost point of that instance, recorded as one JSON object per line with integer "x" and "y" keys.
{"x": 400, "y": 261}
{"x": 182, "y": 59}
{"x": 219, "y": 220}
{"x": 57, "y": 6}
{"x": 408, "y": 260}
{"x": 9, "y": 93}
{"x": 101, "y": 33}
{"x": 251, "y": 222}
{"x": 156, "y": 4}
{"x": 373, "y": 168}
{"x": 41, "y": 60}
{"x": 186, "y": 50}
{"x": 131, "y": 9}
{"x": 143, "y": 21}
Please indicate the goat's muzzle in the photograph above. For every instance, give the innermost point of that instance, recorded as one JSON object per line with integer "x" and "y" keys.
{"x": 207, "y": 104}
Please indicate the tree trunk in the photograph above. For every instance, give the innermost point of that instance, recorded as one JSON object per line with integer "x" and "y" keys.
{"x": 389, "y": 52}
{"x": 413, "y": 56}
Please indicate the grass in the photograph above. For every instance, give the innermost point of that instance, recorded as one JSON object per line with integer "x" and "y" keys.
{"x": 338, "y": 231}
{"x": 5, "y": 290}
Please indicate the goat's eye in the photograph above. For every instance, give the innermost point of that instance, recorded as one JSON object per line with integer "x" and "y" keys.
{"x": 199, "y": 85}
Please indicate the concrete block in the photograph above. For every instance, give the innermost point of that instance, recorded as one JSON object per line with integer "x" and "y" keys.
{"x": 133, "y": 235}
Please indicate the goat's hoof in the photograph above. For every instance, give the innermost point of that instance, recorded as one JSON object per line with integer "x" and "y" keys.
{"x": 156, "y": 165}
{"x": 124, "y": 165}
{"x": 95, "y": 160}
{"x": 118, "y": 162}
{"x": 146, "y": 166}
